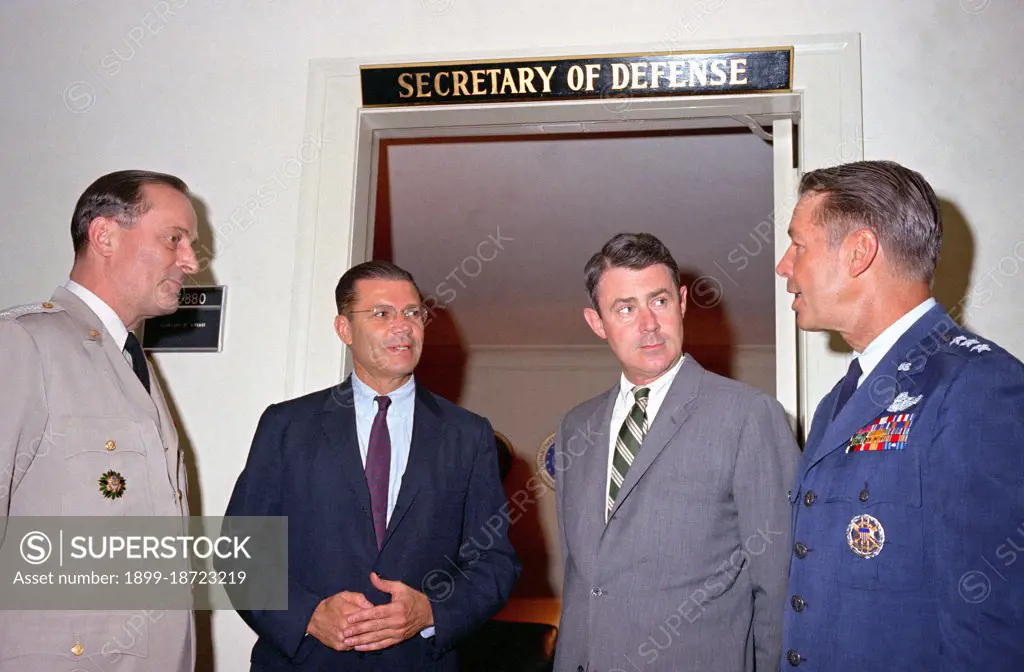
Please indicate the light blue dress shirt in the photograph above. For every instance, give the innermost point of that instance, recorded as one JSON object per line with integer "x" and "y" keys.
{"x": 400, "y": 416}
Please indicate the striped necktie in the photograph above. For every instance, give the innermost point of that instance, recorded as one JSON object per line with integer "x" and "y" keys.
{"x": 627, "y": 445}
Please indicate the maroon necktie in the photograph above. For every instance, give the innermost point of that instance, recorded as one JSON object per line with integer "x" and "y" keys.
{"x": 378, "y": 467}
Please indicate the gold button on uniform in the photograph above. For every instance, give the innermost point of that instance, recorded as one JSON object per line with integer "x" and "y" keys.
{"x": 93, "y": 333}
{"x": 111, "y": 445}
{"x": 47, "y": 305}
{"x": 78, "y": 649}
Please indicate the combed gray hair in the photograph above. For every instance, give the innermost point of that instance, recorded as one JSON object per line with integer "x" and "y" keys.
{"x": 896, "y": 203}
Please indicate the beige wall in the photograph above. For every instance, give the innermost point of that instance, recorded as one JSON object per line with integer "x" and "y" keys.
{"x": 216, "y": 92}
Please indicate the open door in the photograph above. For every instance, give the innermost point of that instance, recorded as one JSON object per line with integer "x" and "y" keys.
{"x": 788, "y": 366}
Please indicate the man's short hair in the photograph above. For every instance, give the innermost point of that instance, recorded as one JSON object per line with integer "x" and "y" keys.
{"x": 117, "y": 195}
{"x": 345, "y": 292}
{"x": 895, "y": 202}
{"x": 636, "y": 251}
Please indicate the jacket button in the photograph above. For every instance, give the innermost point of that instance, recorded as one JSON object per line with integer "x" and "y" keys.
{"x": 864, "y": 494}
{"x": 798, "y": 603}
{"x": 800, "y": 549}
{"x": 794, "y": 657}
{"x": 110, "y": 445}
{"x": 579, "y": 668}
{"x": 77, "y": 649}
{"x": 809, "y": 498}
{"x": 597, "y": 592}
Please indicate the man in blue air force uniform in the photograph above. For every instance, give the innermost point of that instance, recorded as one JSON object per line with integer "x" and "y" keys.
{"x": 907, "y": 505}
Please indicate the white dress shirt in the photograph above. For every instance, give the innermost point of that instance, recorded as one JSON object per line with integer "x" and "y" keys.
{"x": 624, "y": 401}
{"x": 879, "y": 348}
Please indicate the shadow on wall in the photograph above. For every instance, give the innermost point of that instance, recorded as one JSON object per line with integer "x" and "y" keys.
{"x": 204, "y": 254}
{"x": 953, "y": 273}
{"x": 708, "y": 335}
{"x": 956, "y": 261}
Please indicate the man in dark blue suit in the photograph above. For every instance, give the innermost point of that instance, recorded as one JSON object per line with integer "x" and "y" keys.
{"x": 910, "y": 497}
{"x": 397, "y": 546}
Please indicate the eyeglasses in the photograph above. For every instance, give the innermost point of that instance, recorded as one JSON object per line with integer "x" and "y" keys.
{"x": 388, "y": 314}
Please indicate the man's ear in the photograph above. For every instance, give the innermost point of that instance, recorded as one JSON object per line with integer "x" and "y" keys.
{"x": 343, "y": 328}
{"x": 682, "y": 300}
{"x": 863, "y": 247}
{"x": 593, "y": 319}
{"x": 104, "y": 234}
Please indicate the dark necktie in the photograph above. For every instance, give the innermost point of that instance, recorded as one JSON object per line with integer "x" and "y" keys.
{"x": 378, "y": 468}
{"x": 134, "y": 348}
{"x": 849, "y": 385}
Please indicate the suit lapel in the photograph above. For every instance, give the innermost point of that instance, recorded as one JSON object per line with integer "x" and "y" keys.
{"x": 102, "y": 346}
{"x": 894, "y": 374}
{"x": 338, "y": 423}
{"x": 427, "y": 441}
{"x": 671, "y": 416}
{"x": 587, "y": 485}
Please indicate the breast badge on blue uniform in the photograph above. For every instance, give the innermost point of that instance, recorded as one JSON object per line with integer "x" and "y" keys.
{"x": 889, "y": 432}
{"x": 865, "y": 536}
{"x": 112, "y": 485}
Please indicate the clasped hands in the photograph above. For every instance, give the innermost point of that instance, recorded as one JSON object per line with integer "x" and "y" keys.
{"x": 347, "y": 620}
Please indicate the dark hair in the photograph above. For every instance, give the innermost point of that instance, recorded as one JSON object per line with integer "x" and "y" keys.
{"x": 628, "y": 250}
{"x": 118, "y": 196}
{"x": 896, "y": 203}
{"x": 345, "y": 292}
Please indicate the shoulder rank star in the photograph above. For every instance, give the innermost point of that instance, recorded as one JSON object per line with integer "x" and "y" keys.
{"x": 112, "y": 485}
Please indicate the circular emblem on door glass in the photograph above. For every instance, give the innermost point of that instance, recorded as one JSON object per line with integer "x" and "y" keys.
{"x": 865, "y": 536}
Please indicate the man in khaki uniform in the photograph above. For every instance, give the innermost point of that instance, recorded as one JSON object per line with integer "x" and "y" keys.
{"x": 84, "y": 428}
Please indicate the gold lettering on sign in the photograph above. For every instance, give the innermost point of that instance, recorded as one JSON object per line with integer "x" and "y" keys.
{"x": 422, "y": 83}
{"x": 657, "y": 69}
{"x": 738, "y": 73}
{"x": 507, "y": 81}
{"x": 460, "y": 78}
{"x": 638, "y": 82}
{"x": 574, "y": 78}
{"x": 478, "y": 81}
{"x": 437, "y": 83}
{"x": 405, "y": 81}
{"x": 593, "y": 72}
{"x": 718, "y": 70}
{"x": 526, "y": 80}
{"x": 675, "y": 74}
{"x": 546, "y": 77}
{"x": 494, "y": 79}
{"x": 699, "y": 69}
{"x": 620, "y": 76}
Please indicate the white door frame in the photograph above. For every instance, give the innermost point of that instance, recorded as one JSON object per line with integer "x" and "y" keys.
{"x": 337, "y": 192}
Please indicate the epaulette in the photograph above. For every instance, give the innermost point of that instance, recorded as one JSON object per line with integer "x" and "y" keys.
{"x": 30, "y": 309}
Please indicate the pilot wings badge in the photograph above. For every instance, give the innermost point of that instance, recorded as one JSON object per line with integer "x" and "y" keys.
{"x": 902, "y": 402}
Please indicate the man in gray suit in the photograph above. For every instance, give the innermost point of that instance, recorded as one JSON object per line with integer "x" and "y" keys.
{"x": 670, "y": 491}
{"x": 84, "y": 428}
